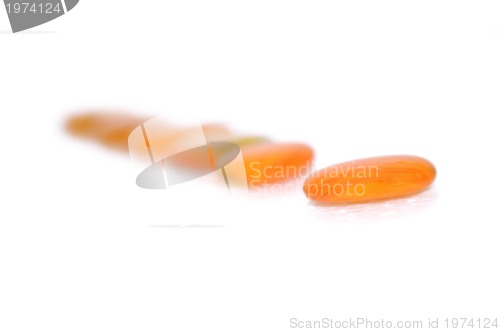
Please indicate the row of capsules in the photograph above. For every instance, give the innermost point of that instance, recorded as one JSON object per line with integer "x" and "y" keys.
{"x": 265, "y": 162}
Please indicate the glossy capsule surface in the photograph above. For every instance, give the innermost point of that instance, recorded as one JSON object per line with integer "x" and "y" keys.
{"x": 370, "y": 179}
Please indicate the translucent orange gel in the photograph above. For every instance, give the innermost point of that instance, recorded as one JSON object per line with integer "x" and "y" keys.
{"x": 273, "y": 162}
{"x": 370, "y": 179}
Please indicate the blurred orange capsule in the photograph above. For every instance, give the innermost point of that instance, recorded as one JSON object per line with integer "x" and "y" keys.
{"x": 219, "y": 155}
{"x": 265, "y": 162}
{"x": 109, "y": 128}
{"x": 370, "y": 179}
{"x": 112, "y": 129}
{"x": 270, "y": 163}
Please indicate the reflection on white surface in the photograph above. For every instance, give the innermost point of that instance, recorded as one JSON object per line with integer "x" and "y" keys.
{"x": 381, "y": 210}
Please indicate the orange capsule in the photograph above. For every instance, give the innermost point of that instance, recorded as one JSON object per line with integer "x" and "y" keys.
{"x": 370, "y": 179}
{"x": 265, "y": 162}
{"x": 109, "y": 128}
{"x": 112, "y": 129}
{"x": 270, "y": 163}
{"x": 219, "y": 153}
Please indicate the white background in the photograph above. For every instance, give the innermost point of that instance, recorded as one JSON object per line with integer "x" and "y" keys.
{"x": 354, "y": 79}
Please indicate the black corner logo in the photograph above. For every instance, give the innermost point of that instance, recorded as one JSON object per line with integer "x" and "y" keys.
{"x": 26, "y": 14}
